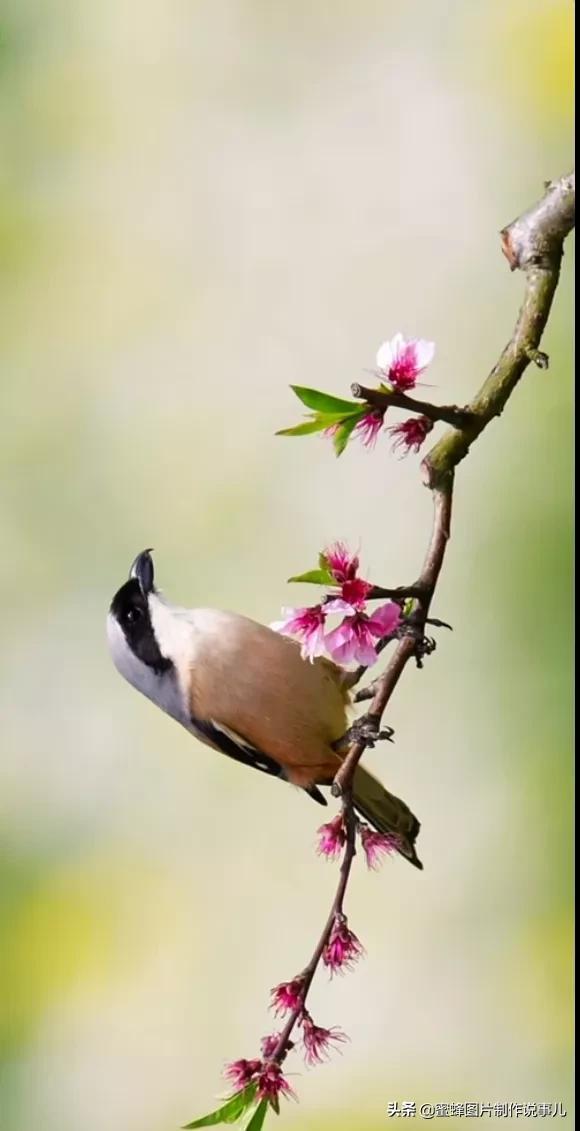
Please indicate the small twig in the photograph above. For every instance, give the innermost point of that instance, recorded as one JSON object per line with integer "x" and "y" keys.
{"x": 336, "y": 909}
{"x": 376, "y": 398}
{"x": 399, "y": 593}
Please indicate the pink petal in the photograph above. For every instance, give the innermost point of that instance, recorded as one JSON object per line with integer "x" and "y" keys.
{"x": 342, "y": 564}
{"x": 385, "y": 620}
{"x": 341, "y": 643}
{"x": 314, "y": 644}
{"x": 365, "y": 653}
{"x": 337, "y": 605}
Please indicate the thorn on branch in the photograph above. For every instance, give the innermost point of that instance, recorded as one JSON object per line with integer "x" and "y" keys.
{"x": 368, "y": 692}
{"x": 538, "y": 357}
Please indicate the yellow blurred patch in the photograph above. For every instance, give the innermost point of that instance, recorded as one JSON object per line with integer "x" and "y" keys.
{"x": 539, "y": 980}
{"x": 79, "y": 929}
{"x": 531, "y": 54}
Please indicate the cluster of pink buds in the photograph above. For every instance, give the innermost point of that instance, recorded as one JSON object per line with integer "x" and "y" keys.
{"x": 332, "y": 839}
{"x": 343, "y": 948}
{"x": 357, "y": 635}
{"x": 317, "y": 1042}
{"x": 265, "y": 1075}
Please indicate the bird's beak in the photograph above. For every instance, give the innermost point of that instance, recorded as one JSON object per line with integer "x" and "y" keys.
{"x": 142, "y": 571}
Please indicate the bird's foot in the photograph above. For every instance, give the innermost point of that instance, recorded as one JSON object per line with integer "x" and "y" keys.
{"x": 366, "y": 730}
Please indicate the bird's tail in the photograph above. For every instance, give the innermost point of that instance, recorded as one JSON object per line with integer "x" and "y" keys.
{"x": 387, "y": 814}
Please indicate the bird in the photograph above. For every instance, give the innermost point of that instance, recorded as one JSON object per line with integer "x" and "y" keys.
{"x": 246, "y": 691}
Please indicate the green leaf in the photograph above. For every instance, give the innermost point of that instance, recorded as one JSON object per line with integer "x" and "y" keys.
{"x": 343, "y": 434}
{"x": 323, "y": 402}
{"x": 229, "y": 1113}
{"x": 306, "y": 428}
{"x": 257, "y": 1120}
{"x": 315, "y": 577}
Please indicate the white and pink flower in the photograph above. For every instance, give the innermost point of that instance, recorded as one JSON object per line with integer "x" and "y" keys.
{"x": 400, "y": 362}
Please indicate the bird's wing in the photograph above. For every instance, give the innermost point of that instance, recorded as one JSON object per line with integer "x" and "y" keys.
{"x": 253, "y": 682}
{"x": 232, "y": 744}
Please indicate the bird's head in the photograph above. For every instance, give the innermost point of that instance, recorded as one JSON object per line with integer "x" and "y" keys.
{"x": 130, "y": 624}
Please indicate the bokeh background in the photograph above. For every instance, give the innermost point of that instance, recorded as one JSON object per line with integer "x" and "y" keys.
{"x": 199, "y": 204}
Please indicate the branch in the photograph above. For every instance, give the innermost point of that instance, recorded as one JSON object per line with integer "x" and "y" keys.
{"x": 533, "y": 244}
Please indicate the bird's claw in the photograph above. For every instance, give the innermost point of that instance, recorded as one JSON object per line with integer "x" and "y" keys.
{"x": 366, "y": 730}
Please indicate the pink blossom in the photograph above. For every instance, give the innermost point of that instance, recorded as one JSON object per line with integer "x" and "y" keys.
{"x": 308, "y": 624}
{"x": 269, "y": 1044}
{"x": 240, "y": 1073}
{"x": 287, "y": 996}
{"x": 377, "y": 845}
{"x": 343, "y": 566}
{"x": 272, "y": 1084}
{"x": 369, "y": 427}
{"x": 401, "y": 362}
{"x": 409, "y": 435}
{"x": 355, "y": 592}
{"x": 343, "y": 948}
{"x": 355, "y": 638}
{"x": 332, "y": 838}
{"x": 318, "y": 1042}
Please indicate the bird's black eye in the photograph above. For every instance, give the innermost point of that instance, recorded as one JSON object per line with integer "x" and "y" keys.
{"x": 133, "y": 614}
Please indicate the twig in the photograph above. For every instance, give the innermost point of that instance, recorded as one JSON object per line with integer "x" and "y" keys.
{"x": 376, "y": 398}
{"x": 399, "y": 593}
{"x": 336, "y": 909}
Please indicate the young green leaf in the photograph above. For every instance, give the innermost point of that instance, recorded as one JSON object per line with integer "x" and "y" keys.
{"x": 314, "y": 577}
{"x": 257, "y": 1119}
{"x": 230, "y": 1112}
{"x": 343, "y": 433}
{"x": 323, "y": 402}
{"x": 304, "y": 429}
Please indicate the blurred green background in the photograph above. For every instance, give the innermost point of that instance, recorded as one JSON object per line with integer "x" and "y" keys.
{"x": 199, "y": 204}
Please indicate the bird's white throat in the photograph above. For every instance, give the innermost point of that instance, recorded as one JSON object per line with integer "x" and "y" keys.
{"x": 162, "y": 688}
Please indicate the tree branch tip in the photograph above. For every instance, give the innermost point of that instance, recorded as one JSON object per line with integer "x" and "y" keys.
{"x": 507, "y": 249}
